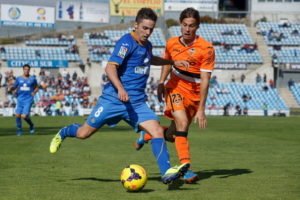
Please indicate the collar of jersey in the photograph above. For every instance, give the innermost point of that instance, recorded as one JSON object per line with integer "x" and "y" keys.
{"x": 197, "y": 37}
{"x": 133, "y": 34}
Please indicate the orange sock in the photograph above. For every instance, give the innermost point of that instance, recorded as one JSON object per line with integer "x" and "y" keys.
{"x": 182, "y": 147}
{"x": 147, "y": 137}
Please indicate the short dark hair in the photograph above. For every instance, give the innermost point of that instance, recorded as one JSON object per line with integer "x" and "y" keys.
{"x": 145, "y": 13}
{"x": 190, "y": 13}
{"x": 26, "y": 65}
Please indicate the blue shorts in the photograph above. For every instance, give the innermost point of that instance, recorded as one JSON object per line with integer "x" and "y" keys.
{"x": 23, "y": 108}
{"x": 112, "y": 112}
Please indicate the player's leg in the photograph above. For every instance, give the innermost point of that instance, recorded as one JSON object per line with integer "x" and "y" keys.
{"x": 160, "y": 151}
{"x": 19, "y": 124}
{"x": 182, "y": 122}
{"x": 18, "y": 111}
{"x": 181, "y": 110}
{"x": 104, "y": 112}
{"x": 148, "y": 121}
{"x": 169, "y": 135}
{"x": 26, "y": 116}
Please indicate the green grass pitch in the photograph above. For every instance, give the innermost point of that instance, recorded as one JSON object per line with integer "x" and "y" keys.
{"x": 237, "y": 158}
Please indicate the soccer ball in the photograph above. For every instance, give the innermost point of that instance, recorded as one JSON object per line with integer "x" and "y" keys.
{"x": 133, "y": 178}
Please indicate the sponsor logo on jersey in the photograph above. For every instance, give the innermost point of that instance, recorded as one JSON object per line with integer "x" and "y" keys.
{"x": 192, "y": 51}
{"x": 146, "y": 60}
{"x": 141, "y": 70}
{"x": 24, "y": 87}
{"x": 122, "y": 52}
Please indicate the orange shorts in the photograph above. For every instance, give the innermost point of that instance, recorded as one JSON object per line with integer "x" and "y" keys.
{"x": 177, "y": 100}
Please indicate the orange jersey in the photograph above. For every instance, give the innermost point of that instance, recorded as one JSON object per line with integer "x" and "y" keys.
{"x": 201, "y": 57}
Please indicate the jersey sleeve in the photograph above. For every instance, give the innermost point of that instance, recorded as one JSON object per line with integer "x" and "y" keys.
{"x": 167, "y": 52}
{"x": 120, "y": 52}
{"x": 208, "y": 60}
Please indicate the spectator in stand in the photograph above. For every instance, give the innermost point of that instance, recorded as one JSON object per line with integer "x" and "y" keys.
{"x": 246, "y": 48}
{"x": 245, "y": 111}
{"x": 258, "y": 78}
{"x": 226, "y": 109}
{"x": 265, "y": 78}
{"x": 295, "y": 32}
{"x": 291, "y": 83}
{"x": 246, "y": 97}
{"x": 265, "y": 109}
{"x": 271, "y": 83}
{"x": 213, "y": 81}
{"x": 238, "y": 110}
{"x": 232, "y": 78}
{"x": 243, "y": 77}
{"x": 74, "y": 76}
{"x": 2, "y": 50}
{"x": 0, "y": 80}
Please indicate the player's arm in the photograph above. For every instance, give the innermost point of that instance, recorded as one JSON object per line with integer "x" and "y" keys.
{"x": 200, "y": 115}
{"x": 14, "y": 85}
{"x": 156, "y": 60}
{"x": 206, "y": 68}
{"x": 112, "y": 73}
{"x": 165, "y": 71}
{"x": 36, "y": 88}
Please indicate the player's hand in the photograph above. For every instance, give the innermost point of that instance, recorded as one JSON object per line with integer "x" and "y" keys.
{"x": 123, "y": 96}
{"x": 181, "y": 63}
{"x": 161, "y": 92}
{"x": 201, "y": 119}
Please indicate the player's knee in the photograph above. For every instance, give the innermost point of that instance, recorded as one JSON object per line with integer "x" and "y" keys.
{"x": 158, "y": 132}
{"x": 18, "y": 115}
{"x": 23, "y": 116}
{"x": 182, "y": 125}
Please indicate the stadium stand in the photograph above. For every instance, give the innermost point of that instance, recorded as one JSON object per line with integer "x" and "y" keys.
{"x": 233, "y": 34}
{"x": 237, "y": 55}
{"x": 61, "y": 40}
{"x": 252, "y": 96}
{"x": 295, "y": 89}
{"x": 101, "y": 44}
{"x": 286, "y": 55}
{"x": 232, "y": 42}
{"x": 286, "y": 34}
{"x": 40, "y": 53}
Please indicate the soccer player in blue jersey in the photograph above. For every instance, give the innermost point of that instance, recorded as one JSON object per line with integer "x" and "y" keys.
{"x": 27, "y": 87}
{"x": 124, "y": 96}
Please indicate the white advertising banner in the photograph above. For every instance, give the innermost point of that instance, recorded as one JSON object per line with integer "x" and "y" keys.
{"x": 32, "y": 16}
{"x": 82, "y": 11}
{"x": 200, "y": 5}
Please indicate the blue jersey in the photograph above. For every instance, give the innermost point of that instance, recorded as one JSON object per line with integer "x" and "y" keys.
{"x": 133, "y": 60}
{"x": 25, "y": 87}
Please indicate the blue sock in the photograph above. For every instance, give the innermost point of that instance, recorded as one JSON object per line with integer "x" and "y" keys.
{"x": 160, "y": 151}
{"x": 28, "y": 120}
{"x": 69, "y": 131}
{"x": 19, "y": 123}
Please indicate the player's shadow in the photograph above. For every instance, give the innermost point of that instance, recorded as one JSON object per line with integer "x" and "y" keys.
{"x": 206, "y": 174}
{"x": 176, "y": 185}
{"x": 96, "y": 179}
{"x": 51, "y": 130}
{"x": 108, "y": 180}
{"x": 223, "y": 173}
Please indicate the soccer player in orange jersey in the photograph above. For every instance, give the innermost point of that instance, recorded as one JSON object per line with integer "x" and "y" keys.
{"x": 186, "y": 91}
